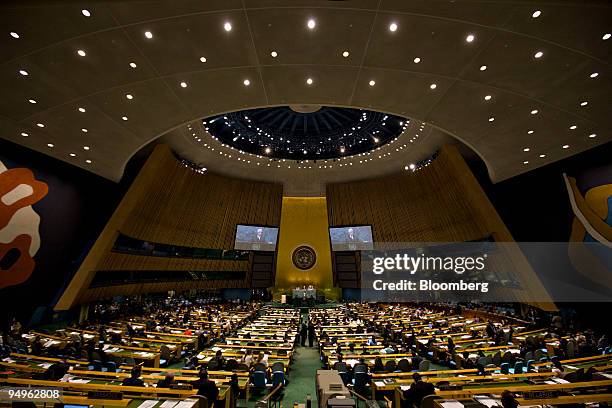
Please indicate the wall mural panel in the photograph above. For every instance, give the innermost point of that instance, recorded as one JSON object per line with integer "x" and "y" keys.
{"x": 19, "y": 224}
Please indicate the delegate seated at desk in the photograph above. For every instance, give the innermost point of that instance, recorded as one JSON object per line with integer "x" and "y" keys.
{"x": 206, "y": 388}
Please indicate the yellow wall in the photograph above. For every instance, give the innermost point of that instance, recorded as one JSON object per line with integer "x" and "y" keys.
{"x": 304, "y": 222}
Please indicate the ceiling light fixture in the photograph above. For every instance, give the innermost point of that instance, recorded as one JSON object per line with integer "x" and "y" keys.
{"x": 40, "y": 125}
{"x": 72, "y": 154}
{"x": 311, "y": 24}
{"x": 133, "y": 64}
{"x": 227, "y": 26}
{"x": 412, "y": 166}
{"x": 526, "y": 149}
{"x": 88, "y": 161}
{"x": 345, "y": 54}
{"x": 84, "y": 130}
{"x": 594, "y": 75}
{"x": 31, "y": 101}
{"x": 23, "y": 72}
{"x": 530, "y": 132}
{"x": 24, "y": 134}
{"x": 85, "y": 147}
{"x": 573, "y": 127}
{"x": 148, "y": 34}
{"x": 534, "y": 112}
{"x": 202, "y": 59}
{"x": 491, "y": 119}
{"x": 584, "y": 103}
{"x": 483, "y": 67}
{"x": 82, "y": 110}
{"x": 81, "y": 53}
{"x": 393, "y": 27}
{"x": 246, "y": 82}
{"x": 433, "y": 86}
{"x": 592, "y": 135}
{"x": 605, "y": 37}
{"x": 372, "y": 82}
{"x": 86, "y": 13}
{"x": 565, "y": 146}
{"x": 14, "y": 34}
{"x": 470, "y": 38}
{"x": 309, "y": 81}
{"x": 183, "y": 84}
{"x": 526, "y": 162}
{"x": 487, "y": 97}
{"x": 536, "y": 14}
{"x": 50, "y": 145}
{"x": 542, "y": 156}
{"x": 124, "y": 118}
{"x": 268, "y": 150}
{"x": 274, "y": 54}
{"x": 416, "y": 60}
{"x": 538, "y": 54}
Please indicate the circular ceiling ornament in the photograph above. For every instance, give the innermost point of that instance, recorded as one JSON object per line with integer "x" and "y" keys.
{"x": 305, "y": 132}
{"x": 304, "y": 257}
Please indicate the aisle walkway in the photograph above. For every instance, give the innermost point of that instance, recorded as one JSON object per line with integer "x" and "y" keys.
{"x": 302, "y": 376}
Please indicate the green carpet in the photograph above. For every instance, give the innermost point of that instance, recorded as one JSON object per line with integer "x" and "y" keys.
{"x": 302, "y": 376}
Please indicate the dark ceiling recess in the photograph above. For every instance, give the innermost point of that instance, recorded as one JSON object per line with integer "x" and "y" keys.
{"x": 305, "y": 132}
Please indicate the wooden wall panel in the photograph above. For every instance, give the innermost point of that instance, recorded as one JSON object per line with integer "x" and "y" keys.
{"x": 170, "y": 203}
{"x": 442, "y": 202}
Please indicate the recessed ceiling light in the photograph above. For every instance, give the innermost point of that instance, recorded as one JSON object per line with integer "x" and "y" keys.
{"x": 535, "y": 111}
{"x": 584, "y": 103}
{"x": 311, "y": 24}
{"x": 483, "y": 67}
{"x": 309, "y": 81}
{"x": 202, "y": 59}
{"x": 50, "y": 144}
{"x": 81, "y": 53}
{"x": 268, "y": 150}
{"x": 526, "y": 162}
{"x": 536, "y": 14}
{"x": 605, "y": 37}
{"x": 393, "y": 27}
{"x": 82, "y": 110}
{"x": 592, "y": 135}
{"x": 416, "y": 60}
{"x": 133, "y": 64}
{"x": 129, "y": 96}
{"x": 148, "y": 34}
{"x": 183, "y": 84}
{"x": 342, "y": 149}
{"x": 470, "y": 38}
{"x": 573, "y": 127}
{"x": 23, "y": 72}
{"x": 246, "y": 82}
{"x": 412, "y": 166}
{"x": 88, "y": 161}
{"x": 565, "y": 146}
{"x": 31, "y": 101}
{"x": 542, "y": 156}
{"x": 40, "y": 125}
{"x": 538, "y": 54}
{"x": 15, "y": 35}
{"x": 491, "y": 119}
{"x": 376, "y": 140}
{"x": 85, "y": 147}
{"x": 227, "y": 26}
{"x": 84, "y": 130}
{"x": 86, "y": 13}
{"x": 372, "y": 82}
{"x": 487, "y": 97}
{"x": 345, "y": 54}
{"x": 72, "y": 154}
{"x": 594, "y": 75}
{"x": 124, "y": 118}
{"x": 274, "y": 54}
{"x": 526, "y": 149}
{"x": 24, "y": 134}
{"x": 530, "y": 132}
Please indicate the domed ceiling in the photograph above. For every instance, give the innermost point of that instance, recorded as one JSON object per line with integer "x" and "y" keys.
{"x": 305, "y": 132}
{"x": 522, "y": 83}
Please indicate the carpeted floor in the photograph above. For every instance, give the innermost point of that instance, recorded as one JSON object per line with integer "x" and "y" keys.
{"x": 302, "y": 376}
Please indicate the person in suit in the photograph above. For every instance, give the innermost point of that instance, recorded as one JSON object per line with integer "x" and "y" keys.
{"x": 311, "y": 334}
{"x": 350, "y": 235}
{"x": 206, "y": 387}
{"x": 418, "y": 390}
{"x": 134, "y": 379}
{"x": 167, "y": 381}
{"x": 56, "y": 370}
{"x": 303, "y": 334}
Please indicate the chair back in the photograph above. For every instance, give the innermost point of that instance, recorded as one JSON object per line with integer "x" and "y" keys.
{"x": 518, "y": 367}
{"x": 390, "y": 366}
{"x": 505, "y": 368}
{"x": 258, "y": 379}
{"x": 497, "y": 358}
{"x": 428, "y": 401}
{"x": 404, "y": 365}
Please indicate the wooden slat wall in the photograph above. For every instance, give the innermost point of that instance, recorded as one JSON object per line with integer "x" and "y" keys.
{"x": 442, "y": 202}
{"x": 171, "y": 204}
{"x": 426, "y": 206}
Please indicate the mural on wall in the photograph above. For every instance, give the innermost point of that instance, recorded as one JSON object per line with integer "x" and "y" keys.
{"x": 19, "y": 224}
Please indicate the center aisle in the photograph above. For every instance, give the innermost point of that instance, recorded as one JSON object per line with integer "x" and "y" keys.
{"x": 302, "y": 376}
